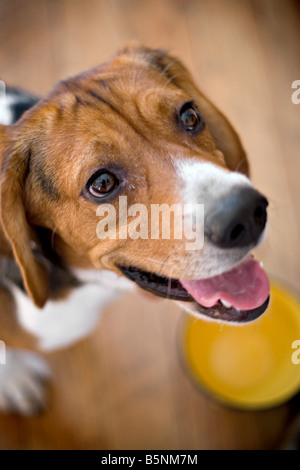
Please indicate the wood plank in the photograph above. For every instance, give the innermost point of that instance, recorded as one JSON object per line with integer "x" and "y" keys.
{"x": 25, "y": 47}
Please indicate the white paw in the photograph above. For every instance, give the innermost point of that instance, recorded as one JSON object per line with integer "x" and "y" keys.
{"x": 23, "y": 382}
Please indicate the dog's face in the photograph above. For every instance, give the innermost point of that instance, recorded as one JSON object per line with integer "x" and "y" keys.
{"x": 135, "y": 127}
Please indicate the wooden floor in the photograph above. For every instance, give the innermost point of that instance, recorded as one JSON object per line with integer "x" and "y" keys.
{"x": 124, "y": 387}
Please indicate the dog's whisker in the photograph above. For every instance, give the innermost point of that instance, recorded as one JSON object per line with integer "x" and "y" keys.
{"x": 169, "y": 283}
{"x": 156, "y": 260}
{"x": 165, "y": 262}
{"x": 169, "y": 287}
{"x": 52, "y": 237}
{"x": 240, "y": 164}
{"x": 166, "y": 68}
{"x": 171, "y": 79}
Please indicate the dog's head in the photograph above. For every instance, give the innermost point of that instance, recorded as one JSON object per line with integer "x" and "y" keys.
{"x": 138, "y": 131}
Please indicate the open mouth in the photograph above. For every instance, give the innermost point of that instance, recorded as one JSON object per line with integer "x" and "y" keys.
{"x": 238, "y": 295}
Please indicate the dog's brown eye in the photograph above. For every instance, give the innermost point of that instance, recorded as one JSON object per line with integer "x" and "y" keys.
{"x": 102, "y": 184}
{"x": 190, "y": 118}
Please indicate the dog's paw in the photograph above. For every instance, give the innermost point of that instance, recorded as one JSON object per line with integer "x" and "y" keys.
{"x": 23, "y": 383}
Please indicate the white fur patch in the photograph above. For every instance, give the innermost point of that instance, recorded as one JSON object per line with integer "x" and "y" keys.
{"x": 63, "y": 322}
{"x": 205, "y": 182}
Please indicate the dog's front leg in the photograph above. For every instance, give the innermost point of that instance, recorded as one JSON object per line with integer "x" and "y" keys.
{"x": 23, "y": 373}
{"x": 59, "y": 324}
{"x": 23, "y": 379}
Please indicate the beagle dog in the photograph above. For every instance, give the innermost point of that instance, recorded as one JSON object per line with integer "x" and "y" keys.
{"x": 138, "y": 127}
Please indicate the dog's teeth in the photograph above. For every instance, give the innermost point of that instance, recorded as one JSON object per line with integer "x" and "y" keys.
{"x": 261, "y": 264}
{"x": 226, "y": 304}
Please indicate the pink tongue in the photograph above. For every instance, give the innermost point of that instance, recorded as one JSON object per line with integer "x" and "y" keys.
{"x": 245, "y": 287}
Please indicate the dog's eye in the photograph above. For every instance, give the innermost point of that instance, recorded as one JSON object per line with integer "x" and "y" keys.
{"x": 190, "y": 118}
{"x": 101, "y": 184}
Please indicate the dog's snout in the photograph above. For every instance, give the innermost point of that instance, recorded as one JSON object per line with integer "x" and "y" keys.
{"x": 238, "y": 219}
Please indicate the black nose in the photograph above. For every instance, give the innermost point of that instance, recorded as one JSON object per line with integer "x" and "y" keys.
{"x": 238, "y": 219}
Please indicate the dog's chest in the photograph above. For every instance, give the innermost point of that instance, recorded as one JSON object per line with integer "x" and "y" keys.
{"x": 62, "y": 322}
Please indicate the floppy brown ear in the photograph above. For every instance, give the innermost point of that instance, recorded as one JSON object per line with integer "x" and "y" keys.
{"x": 223, "y": 134}
{"x": 15, "y": 167}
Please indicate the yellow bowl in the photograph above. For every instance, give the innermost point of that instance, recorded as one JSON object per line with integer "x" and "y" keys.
{"x": 248, "y": 366}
